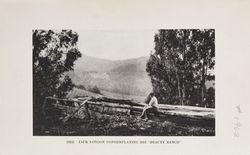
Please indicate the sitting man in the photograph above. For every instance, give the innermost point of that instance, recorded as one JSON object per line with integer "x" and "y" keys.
{"x": 151, "y": 107}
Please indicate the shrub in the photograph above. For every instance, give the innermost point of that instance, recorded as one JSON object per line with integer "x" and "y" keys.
{"x": 80, "y": 87}
{"x": 96, "y": 90}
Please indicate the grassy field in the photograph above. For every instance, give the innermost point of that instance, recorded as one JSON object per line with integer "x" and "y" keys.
{"x": 80, "y": 92}
{"x": 123, "y": 96}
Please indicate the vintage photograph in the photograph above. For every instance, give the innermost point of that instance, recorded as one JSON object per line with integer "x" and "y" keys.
{"x": 124, "y": 82}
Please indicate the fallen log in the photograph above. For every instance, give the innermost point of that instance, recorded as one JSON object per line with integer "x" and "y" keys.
{"x": 161, "y": 106}
{"x": 165, "y": 110}
{"x": 112, "y": 100}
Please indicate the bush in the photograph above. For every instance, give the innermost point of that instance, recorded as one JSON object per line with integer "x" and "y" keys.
{"x": 96, "y": 90}
{"x": 80, "y": 87}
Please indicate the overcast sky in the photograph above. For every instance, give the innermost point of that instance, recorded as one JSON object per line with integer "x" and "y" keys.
{"x": 117, "y": 44}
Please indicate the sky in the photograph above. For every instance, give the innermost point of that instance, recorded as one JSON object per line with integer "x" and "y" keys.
{"x": 116, "y": 44}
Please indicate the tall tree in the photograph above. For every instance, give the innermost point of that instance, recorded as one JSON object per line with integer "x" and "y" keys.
{"x": 180, "y": 65}
{"x": 54, "y": 53}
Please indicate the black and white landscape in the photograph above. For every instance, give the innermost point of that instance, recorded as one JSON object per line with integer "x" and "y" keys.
{"x": 96, "y": 83}
{"x": 115, "y": 78}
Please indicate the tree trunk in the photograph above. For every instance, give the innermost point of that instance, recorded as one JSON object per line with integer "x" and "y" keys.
{"x": 183, "y": 94}
{"x": 203, "y": 84}
{"x": 179, "y": 88}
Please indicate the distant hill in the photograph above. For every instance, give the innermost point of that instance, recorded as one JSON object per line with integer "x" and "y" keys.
{"x": 92, "y": 64}
{"x": 120, "y": 76}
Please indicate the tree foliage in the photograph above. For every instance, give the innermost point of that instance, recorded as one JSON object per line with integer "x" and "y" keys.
{"x": 54, "y": 53}
{"x": 183, "y": 60}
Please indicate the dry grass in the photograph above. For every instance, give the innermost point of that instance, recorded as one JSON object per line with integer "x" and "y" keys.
{"x": 124, "y": 125}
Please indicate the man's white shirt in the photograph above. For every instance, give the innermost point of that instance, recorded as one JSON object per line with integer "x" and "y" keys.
{"x": 153, "y": 102}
